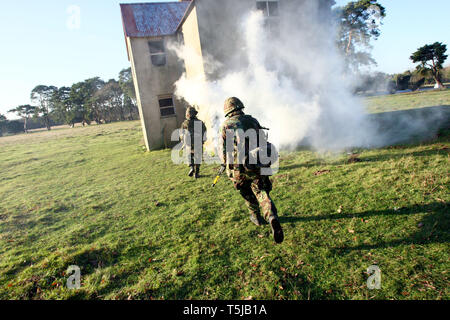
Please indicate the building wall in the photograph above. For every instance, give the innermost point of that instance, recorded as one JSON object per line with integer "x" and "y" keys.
{"x": 151, "y": 82}
{"x": 209, "y": 30}
{"x": 219, "y": 27}
{"x": 212, "y": 32}
{"x": 209, "y": 35}
{"x": 194, "y": 65}
{"x": 219, "y": 33}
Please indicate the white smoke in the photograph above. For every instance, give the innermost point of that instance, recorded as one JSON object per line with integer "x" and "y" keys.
{"x": 294, "y": 84}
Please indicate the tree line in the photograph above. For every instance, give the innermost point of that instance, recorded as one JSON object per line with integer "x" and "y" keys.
{"x": 359, "y": 22}
{"x": 92, "y": 100}
{"x": 429, "y": 71}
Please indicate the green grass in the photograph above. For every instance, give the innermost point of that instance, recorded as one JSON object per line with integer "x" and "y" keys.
{"x": 411, "y": 100}
{"x": 139, "y": 228}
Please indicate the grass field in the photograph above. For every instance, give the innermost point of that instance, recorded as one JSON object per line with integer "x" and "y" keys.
{"x": 139, "y": 228}
{"x": 411, "y": 100}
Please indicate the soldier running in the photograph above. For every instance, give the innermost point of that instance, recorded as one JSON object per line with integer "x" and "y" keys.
{"x": 253, "y": 186}
{"x": 197, "y": 134}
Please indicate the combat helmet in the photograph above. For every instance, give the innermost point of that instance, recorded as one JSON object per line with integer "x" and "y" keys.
{"x": 232, "y": 104}
{"x": 191, "y": 112}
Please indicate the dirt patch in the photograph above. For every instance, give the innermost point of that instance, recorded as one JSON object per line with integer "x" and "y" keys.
{"x": 321, "y": 172}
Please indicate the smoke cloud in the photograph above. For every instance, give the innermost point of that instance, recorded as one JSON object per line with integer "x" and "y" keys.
{"x": 293, "y": 82}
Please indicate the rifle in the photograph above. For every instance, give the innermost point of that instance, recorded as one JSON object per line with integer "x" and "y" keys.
{"x": 222, "y": 169}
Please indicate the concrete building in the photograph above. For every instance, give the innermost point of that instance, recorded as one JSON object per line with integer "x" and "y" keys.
{"x": 208, "y": 28}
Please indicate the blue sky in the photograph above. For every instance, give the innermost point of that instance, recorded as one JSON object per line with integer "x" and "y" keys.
{"x": 43, "y": 44}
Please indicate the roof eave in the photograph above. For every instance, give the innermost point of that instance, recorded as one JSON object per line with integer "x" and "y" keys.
{"x": 186, "y": 14}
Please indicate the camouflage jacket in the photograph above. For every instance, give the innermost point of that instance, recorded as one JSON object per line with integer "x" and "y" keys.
{"x": 237, "y": 120}
{"x": 189, "y": 125}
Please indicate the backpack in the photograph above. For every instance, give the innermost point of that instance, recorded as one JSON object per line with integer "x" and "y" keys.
{"x": 268, "y": 151}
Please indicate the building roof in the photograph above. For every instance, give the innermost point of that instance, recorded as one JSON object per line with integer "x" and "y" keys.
{"x": 153, "y": 19}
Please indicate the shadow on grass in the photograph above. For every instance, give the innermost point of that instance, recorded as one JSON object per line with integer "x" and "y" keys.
{"x": 308, "y": 164}
{"x": 235, "y": 282}
{"x": 433, "y": 207}
{"x": 442, "y": 135}
{"x": 409, "y": 126}
{"x": 434, "y": 228}
{"x": 424, "y": 153}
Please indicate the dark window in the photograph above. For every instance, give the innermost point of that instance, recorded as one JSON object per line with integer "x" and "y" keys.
{"x": 167, "y": 112}
{"x": 156, "y": 46}
{"x": 166, "y": 107}
{"x": 158, "y": 59}
{"x": 273, "y": 8}
{"x": 157, "y": 52}
{"x": 166, "y": 103}
{"x": 269, "y": 8}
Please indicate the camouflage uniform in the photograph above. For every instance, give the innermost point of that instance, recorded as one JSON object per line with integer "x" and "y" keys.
{"x": 253, "y": 186}
{"x": 189, "y": 125}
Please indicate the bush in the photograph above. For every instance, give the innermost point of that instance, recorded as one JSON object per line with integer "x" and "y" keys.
{"x": 446, "y": 74}
{"x": 415, "y": 85}
{"x": 402, "y": 81}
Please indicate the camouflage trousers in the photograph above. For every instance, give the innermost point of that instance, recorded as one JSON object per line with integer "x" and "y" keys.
{"x": 255, "y": 190}
{"x": 194, "y": 160}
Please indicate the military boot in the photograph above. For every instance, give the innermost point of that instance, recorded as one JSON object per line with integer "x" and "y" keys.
{"x": 277, "y": 231}
{"x": 257, "y": 219}
{"x": 197, "y": 171}
{"x": 191, "y": 172}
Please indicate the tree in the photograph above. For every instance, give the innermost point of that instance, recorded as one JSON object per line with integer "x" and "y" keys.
{"x": 431, "y": 57}
{"x": 372, "y": 82}
{"x": 402, "y": 80}
{"x": 24, "y": 111}
{"x": 63, "y": 107}
{"x": 113, "y": 97}
{"x": 13, "y": 126}
{"x": 42, "y": 96}
{"x": 80, "y": 96}
{"x": 127, "y": 85}
{"x": 3, "y": 121}
{"x": 359, "y": 23}
{"x": 446, "y": 74}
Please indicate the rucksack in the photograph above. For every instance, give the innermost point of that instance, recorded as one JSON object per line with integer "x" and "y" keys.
{"x": 265, "y": 154}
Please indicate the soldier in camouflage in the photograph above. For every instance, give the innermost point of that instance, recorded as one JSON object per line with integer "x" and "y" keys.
{"x": 197, "y": 132}
{"x": 253, "y": 186}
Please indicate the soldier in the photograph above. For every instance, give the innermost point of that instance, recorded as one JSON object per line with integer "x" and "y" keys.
{"x": 197, "y": 135}
{"x": 253, "y": 186}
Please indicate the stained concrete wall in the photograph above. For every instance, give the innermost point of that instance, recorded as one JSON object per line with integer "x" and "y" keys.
{"x": 210, "y": 30}
{"x": 194, "y": 66}
{"x": 218, "y": 24}
{"x": 151, "y": 82}
{"x": 210, "y": 34}
{"x": 219, "y": 33}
